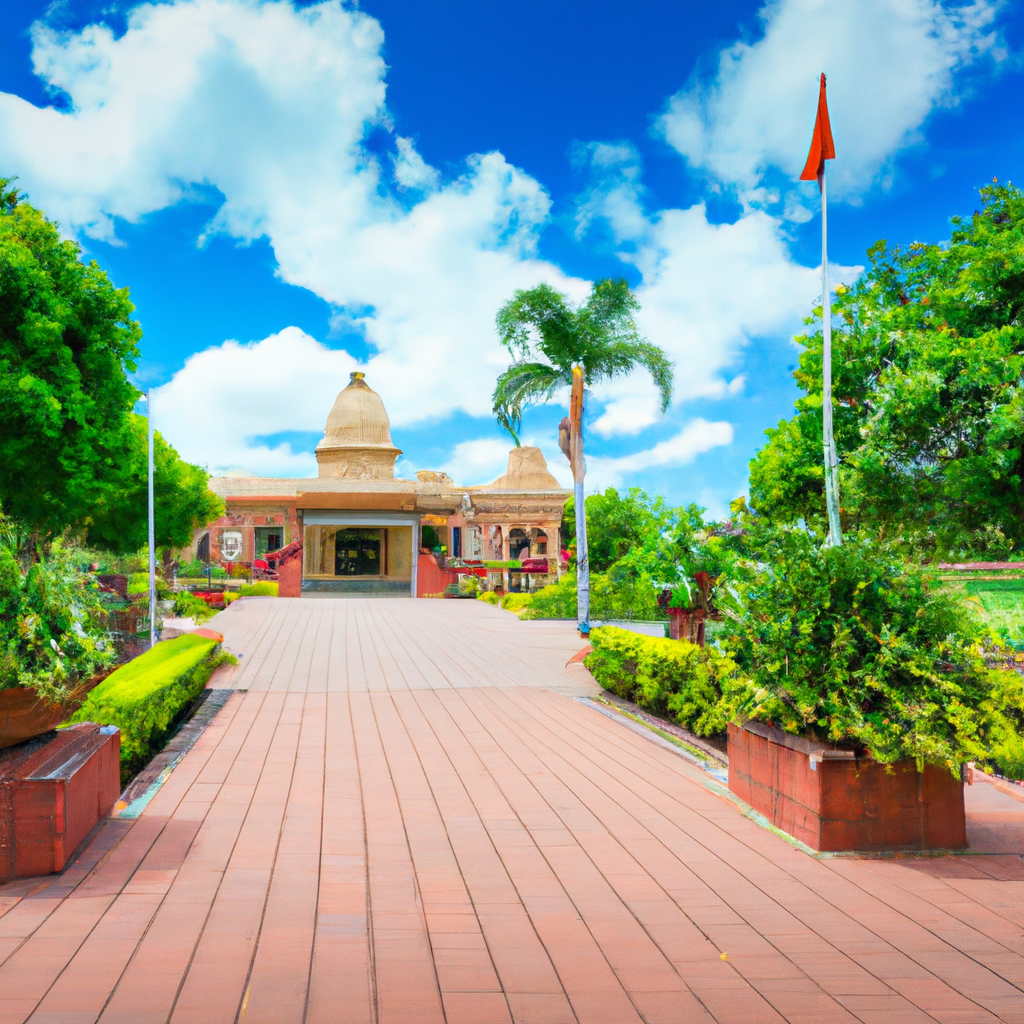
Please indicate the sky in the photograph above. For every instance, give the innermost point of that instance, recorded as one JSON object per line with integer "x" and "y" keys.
{"x": 293, "y": 191}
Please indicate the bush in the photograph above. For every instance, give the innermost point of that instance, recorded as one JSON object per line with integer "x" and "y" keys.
{"x": 262, "y": 588}
{"x": 188, "y": 606}
{"x": 239, "y": 571}
{"x": 138, "y": 583}
{"x": 671, "y": 677}
{"x": 146, "y": 697}
{"x": 488, "y": 595}
{"x": 854, "y": 645}
{"x": 52, "y": 634}
{"x": 196, "y": 569}
{"x": 516, "y": 602}
{"x": 610, "y": 598}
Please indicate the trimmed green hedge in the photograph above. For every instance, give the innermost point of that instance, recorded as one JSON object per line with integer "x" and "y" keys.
{"x": 671, "y": 677}
{"x": 261, "y": 588}
{"x": 146, "y": 697}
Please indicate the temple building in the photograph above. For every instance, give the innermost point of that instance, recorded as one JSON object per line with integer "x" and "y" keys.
{"x": 356, "y": 528}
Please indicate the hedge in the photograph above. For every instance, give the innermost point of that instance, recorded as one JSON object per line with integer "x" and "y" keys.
{"x": 261, "y": 588}
{"x": 146, "y": 697}
{"x": 671, "y": 677}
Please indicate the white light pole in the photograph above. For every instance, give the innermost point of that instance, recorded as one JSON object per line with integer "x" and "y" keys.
{"x": 152, "y": 528}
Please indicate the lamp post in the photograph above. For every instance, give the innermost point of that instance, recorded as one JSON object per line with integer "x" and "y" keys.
{"x": 152, "y": 529}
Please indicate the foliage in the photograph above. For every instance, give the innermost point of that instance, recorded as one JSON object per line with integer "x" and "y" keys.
{"x": 624, "y": 598}
{"x": 1005, "y": 739}
{"x": 66, "y": 340}
{"x": 489, "y": 596}
{"x": 671, "y": 677}
{"x": 856, "y": 645}
{"x": 196, "y": 570}
{"x": 547, "y": 337}
{"x": 52, "y": 635}
{"x": 634, "y": 529}
{"x": 138, "y": 583}
{"x": 188, "y": 606}
{"x": 182, "y": 502}
{"x": 146, "y": 697}
{"x": 929, "y": 401}
{"x": 429, "y": 538}
{"x": 239, "y": 571}
{"x": 261, "y": 588}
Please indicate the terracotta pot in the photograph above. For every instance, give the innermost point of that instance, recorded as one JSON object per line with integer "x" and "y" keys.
{"x": 25, "y": 715}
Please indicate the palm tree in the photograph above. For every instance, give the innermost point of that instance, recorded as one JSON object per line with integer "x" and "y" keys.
{"x": 555, "y": 345}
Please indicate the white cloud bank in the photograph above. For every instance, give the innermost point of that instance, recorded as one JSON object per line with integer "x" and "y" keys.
{"x": 889, "y": 64}
{"x": 270, "y": 106}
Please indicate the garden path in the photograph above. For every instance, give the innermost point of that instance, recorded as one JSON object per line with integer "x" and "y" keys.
{"x": 406, "y": 817}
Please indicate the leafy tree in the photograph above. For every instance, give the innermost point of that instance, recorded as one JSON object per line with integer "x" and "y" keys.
{"x": 547, "y": 338}
{"x": 928, "y": 395}
{"x": 66, "y": 340}
{"x": 181, "y": 499}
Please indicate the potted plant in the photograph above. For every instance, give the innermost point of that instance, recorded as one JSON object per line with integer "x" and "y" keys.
{"x": 690, "y": 601}
{"x": 862, "y": 692}
{"x": 53, "y": 648}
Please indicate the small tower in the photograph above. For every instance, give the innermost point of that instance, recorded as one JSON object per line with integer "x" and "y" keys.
{"x": 357, "y": 440}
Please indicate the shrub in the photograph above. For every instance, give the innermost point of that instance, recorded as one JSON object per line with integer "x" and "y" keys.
{"x": 146, "y": 697}
{"x": 239, "y": 571}
{"x": 138, "y": 583}
{"x": 188, "y": 606}
{"x": 671, "y": 677}
{"x": 52, "y": 634}
{"x": 610, "y": 598}
{"x": 262, "y": 588}
{"x": 516, "y": 602}
{"x": 487, "y": 595}
{"x": 855, "y": 645}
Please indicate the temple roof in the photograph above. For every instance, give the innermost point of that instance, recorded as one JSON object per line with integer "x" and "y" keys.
{"x": 527, "y": 471}
{"x": 358, "y": 418}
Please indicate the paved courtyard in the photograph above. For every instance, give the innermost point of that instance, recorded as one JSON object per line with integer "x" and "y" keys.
{"x": 408, "y": 817}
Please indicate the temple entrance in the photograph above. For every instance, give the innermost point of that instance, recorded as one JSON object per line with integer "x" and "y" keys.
{"x": 357, "y": 552}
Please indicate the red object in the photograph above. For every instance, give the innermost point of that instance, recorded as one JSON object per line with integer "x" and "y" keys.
{"x": 832, "y": 800}
{"x": 261, "y": 564}
{"x": 52, "y": 795}
{"x": 822, "y": 146}
{"x": 210, "y": 634}
{"x": 289, "y": 569}
{"x": 431, "y": 578}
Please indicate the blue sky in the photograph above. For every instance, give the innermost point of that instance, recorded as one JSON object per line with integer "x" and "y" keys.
{"x": 295, "y": 191}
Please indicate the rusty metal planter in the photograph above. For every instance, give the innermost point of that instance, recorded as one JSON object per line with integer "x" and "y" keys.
{"x": 833, "y": 800}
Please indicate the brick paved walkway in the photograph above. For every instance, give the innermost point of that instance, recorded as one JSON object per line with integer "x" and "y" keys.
{"x": 403, "y": 820}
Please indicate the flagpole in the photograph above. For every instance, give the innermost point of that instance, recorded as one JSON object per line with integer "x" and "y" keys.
{"x": 828, "y": 437}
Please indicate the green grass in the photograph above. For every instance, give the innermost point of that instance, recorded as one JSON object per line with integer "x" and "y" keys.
{"x": 999, "y": 603}
{"x": 146, "y": 697}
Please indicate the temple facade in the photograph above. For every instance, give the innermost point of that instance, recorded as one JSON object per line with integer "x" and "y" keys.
{"x": 356, "y": 528}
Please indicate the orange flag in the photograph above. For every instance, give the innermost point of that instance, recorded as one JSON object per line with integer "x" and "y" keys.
{"x": 822, "y": 146}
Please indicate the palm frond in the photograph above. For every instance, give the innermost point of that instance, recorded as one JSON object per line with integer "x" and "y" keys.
{"x": 523, "y": 383}
{"x": 622, "y": 357}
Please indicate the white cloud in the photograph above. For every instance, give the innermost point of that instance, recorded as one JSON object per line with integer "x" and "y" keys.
{"x": 707, "y": 289}
{"x": 225, "y": 398}
{"x": 696, "y": 438}
{"x": 271, "y": 105}
{"x": 479, "y": 461}
{"x": 888, "y": 62}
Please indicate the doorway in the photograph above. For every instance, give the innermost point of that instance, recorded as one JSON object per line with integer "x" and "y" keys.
{"x": 357, "y": 552}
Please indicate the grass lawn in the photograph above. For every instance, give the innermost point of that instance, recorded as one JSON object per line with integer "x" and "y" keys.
{"x": 999, "y": 601}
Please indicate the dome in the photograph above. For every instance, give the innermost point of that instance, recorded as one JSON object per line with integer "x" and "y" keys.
{"x": 527, "y": 471}
{"x": 357, "y": 441}
{"x": 358, "y": 418}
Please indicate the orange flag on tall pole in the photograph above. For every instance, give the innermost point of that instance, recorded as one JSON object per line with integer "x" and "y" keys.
{"x": 822, "y": 149}
{"x": 822, "y": 146}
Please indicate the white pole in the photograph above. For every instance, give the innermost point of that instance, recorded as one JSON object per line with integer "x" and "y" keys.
{"x": 415, "y": 557}
{"x": 152, "y": 530}
{"x": 828, "y": 438}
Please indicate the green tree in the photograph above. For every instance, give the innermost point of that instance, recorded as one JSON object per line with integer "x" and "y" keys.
{"x": 547, "y": 337}
{"x": 66, "y": 340}
{"x": 927, "y": 395}
{"x": 182, "y": 502}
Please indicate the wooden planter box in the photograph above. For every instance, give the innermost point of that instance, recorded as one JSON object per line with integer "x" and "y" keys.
{"x": 52, "y": 794}
{"x": 23, "y": 715}
{"x": 831, "y": 799}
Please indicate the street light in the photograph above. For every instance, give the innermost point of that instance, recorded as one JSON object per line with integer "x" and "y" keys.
{"x": 152, "y": 530}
